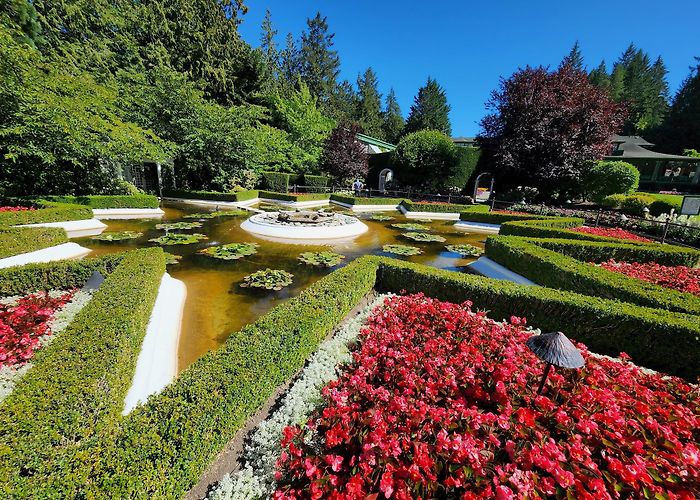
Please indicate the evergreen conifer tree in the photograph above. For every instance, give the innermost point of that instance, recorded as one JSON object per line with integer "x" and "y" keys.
{"x": 429, "y": 110}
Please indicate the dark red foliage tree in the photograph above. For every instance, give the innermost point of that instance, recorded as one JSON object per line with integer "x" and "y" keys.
{"x": 545, "y": 126}
{"x": 344, "y": 156}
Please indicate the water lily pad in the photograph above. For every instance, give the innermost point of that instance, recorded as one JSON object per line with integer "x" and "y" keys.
{"x": 402, "y": 249}
{"x": 321, "y": 259}
{"x": 465, "y": 250}
{"x": 232, "y": 251}
{"x": 424, "y": 221}
{"x": 271, "y": 207}
{"x": 381, "y": 218}
{"x": 424, "y": 237}
{"x": 268, "y": 279}
{"x": 172, "y": 259}
{"x": 219, "y": 213}
{"x": 169, "y": 226}
{"x": 411, "y": 227}
{"x": 179, "y": 239}
{"x": 117, "y": 236}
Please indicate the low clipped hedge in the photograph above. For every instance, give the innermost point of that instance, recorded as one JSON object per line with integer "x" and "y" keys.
{"x": 210, "y": 195}
{"x": 556, "y": 270}
{"x": 663, "y": 340}
{"x": 53, "y": 423}
{"x": 63, "y": 274}
{"x": 14, "y": 241}
{"x": 46, "y": 211}
{"x": 271, "y": 195}
{"x": 412, "y": 206}
{"x": 498, "y": 218}
{"x": 165, "y": 446}
{"x": 111, "y": 201}
{"x": 553, "y": 227}
{"x": 352, "y": 200}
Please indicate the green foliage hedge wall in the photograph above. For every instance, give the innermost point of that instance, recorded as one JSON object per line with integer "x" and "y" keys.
{"x": 14, "y": 241}
{"x": 412, "y": 206}
{"x": 211, "y": 195}
{"x": 111, "y": 201}
{"x": 351, "y": 200}
{"x": 276, "y": 181}
{"x": 46, "y": 211}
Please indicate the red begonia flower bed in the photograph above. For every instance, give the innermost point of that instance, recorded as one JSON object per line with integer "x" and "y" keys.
{"x": 611, "y": 233}
{"x": 681, "y": 278}
{"x": 510, "y": 212}
{"x": 15, "y": 209}
{"x": 24, "y": 323}
{"x": 439, "y": 403}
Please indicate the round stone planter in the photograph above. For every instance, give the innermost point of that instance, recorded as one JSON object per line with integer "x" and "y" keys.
{"x": 346, "y": 227}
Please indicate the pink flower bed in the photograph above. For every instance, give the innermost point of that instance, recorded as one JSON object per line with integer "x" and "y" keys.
{"x": 510, "y": 212}
{"x": 15, "y": 209}
{"x": 681, "y": 278}
{"x": 24, "y": 323}
{"x": 611, "y": 233}
{"x": 439, "y": 403}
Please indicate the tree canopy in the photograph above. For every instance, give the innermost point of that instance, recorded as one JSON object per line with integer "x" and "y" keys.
{"x": 430, "y": 110}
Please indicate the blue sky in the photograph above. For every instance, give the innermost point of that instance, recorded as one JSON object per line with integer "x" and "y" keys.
{"x": 467, "y": 46}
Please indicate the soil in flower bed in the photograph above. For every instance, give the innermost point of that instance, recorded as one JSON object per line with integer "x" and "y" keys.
{"x": 681, "y": 278}
{"x": 23, "y": 323}
{"x": 611, "y": 233}
{"x": 440, "y": 402}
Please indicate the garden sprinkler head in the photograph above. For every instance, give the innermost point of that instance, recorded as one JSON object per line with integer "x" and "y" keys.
{"x": 554, "y": 349}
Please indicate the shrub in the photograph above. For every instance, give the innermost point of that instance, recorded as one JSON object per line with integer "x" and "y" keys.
{"x": 636, "y": 203}
{"x": 293, "y": 197}
{"x": 659, "y": 207}
{"x": 614, "y": 233}
{"x": 316, "y": 181}
{"x": 211, "y": 195}
{"x": 422, "y": 206}
{"x": 467, "y": 160}
{"x": 681, "y": 278}
{"x": 344, "y": 157}
{"x": 552, "y": 269}
{"x": 276, "y": 181}
{"x": 613, "y": 200}
{"x": 14, "y": 241}
{"x": 495, "y": 217}
{"x": 46, "y": 211}
{"x": 427, "y": 158}
{"x": 606, "y": 178}
{"x": 113, "y": 201}
{"x": 351, "y": 200}
{"x": 75, "y": 391}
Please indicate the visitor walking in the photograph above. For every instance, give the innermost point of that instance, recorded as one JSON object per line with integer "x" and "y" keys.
{"x": 357, "y": 187}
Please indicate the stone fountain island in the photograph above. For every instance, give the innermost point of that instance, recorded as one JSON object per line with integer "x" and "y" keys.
{"x": 304, "y": 225}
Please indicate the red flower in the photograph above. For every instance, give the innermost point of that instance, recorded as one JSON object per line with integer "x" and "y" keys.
{"x": 681, "y": 278}
{"x": 611, "y": 233}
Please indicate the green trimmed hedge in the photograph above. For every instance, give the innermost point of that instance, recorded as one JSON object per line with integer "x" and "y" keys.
{"x": 53, "y": 423}
{"x": 663, "y": 340}
{"x": 276, "y": 181}
{"x": 165, "y": 446}
{"x": 63, "y": 274}
{"x": 15, "y": 241}
{"x": 270, "y": 195}
{"x": 352, "y": 200}
{"x": 47, "y": 211}
{"x": 317, "y": 181}
{"x": 111, "y": 201}
{"x": 412, "y": 206}
{"x": 498, "y": 218}
{"x": 210, "y": 195}
{"x": 556, "y": 270}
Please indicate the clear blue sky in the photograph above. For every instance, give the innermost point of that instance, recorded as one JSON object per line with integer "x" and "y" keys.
{"x": 467, "y": 46}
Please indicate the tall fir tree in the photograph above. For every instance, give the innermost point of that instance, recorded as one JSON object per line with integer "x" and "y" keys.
{"x": 617, "y": 82}
{"x": 599, "y": 76}
{"x": 320, "y": 63}
{"x": 393, "y": 122}
{"x": 575, "y": 57}
{"x": 290, "y": 63}
{"x": 681, "y": 128}
{"x": 268, "y": 45}
{"x": 344, "y": 103}
{"x": 429, "y": 110}
{"x": 369, "y": 112}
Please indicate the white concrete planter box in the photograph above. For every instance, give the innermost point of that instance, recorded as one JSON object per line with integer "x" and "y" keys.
{"x": 429, "y": 215}
{"x": 491, "y": 269}
{"x": 74, "y": 228}
{"x": 478, "y": 227}
{"x": 156, "y": 366}
{"x": 50, "y": 254}
{"x": 127, "y": 213}
{"x": 367, "y": 208}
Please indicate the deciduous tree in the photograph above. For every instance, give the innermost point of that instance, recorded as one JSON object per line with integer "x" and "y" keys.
{"x": 344, "y": 156}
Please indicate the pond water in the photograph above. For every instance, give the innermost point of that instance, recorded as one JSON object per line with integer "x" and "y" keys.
{"x": 216, "y": 305}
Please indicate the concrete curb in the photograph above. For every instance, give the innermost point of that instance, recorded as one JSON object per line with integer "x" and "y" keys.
{"x": 491, "y": 269}
{"x": 59, "y": 252}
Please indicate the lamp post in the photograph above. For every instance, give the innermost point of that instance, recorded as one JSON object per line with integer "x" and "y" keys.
{"x": 555, "y": 349}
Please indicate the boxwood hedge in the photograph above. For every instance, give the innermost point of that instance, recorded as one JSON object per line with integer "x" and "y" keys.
{"x": 556, "y": 270}
{"x": 46, "y": 211}
{"x": 413, "y": 206}
{"x": 14, "y": 241}
{"x": 497, "y": 217}
{"x": 352, "y": 200}
{"x": 111, "y": 201}
{"x": 211, "y": 195}
{"x": 271, "y": 195}
{"x": 54, "y": 422}
{"x": 553, "y": 227}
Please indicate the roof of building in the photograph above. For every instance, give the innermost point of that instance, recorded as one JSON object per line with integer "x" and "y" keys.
{"x": 631, "y": 150}
{"x": 634, "y": 139}
{"x": 464, "y": 139}
{"x": 373, "y": 141}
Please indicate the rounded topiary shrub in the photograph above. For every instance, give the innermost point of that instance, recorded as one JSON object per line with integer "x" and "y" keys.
{"x": 664, "y": 207}
{"x": 613, "y": 200}
{"x": 426, "y": 157}
{"x": 610, "y": 177}
{"x": 636, "y": 203}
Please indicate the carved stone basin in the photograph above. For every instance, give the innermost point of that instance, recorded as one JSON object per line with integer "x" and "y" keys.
{"x": 305, "y": 216}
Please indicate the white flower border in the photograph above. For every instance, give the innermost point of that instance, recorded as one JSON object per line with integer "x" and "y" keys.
{"x": 10, "y": 375}
{"x": 256, "y": 478}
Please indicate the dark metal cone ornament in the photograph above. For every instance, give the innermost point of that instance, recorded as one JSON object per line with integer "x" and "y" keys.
{"x": 554, "y": 349}
{"x": 94, "y": 282}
